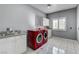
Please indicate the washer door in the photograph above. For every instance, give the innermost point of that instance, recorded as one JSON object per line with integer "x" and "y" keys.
{"x": 39, "y": 38}
{"x": 45, "y": 35}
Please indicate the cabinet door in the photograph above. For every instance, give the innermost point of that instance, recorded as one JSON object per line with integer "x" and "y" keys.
{"x": 49, "y": 33}
{"x": 21, "y": 44}
{"x": 3, "y": 46}
{"x": 11, "y": 45}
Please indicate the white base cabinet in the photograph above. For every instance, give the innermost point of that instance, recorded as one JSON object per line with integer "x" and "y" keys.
{"x": 21, "y": 44}
{"x": 13, "y": 45}
{"x": 49, "y": 33}
{"x": 3, "y": 46}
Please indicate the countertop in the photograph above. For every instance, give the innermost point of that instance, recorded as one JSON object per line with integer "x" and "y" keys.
{"x": 12, "y": 35}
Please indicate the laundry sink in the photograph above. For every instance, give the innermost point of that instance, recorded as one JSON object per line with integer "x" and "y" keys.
{"x": 8, "y": 34}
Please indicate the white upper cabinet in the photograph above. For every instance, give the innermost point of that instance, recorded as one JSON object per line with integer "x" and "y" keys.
{"x": 45, "y": 22}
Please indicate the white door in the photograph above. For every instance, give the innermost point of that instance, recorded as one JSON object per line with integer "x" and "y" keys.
{"x": 78, "y": 22}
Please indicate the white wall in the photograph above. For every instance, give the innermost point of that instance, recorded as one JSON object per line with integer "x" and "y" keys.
{"x": 18, "y": 16}
{"x": 70, "y": 15}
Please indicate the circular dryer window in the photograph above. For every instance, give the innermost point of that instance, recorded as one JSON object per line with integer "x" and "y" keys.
{"x": 45, "y": 35}
{"x": 39, "y": 38}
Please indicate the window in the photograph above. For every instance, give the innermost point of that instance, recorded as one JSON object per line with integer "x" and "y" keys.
{"x": 45, "y": 22}
{"x": 62, "y": 23}
{"x": 59, "y": 24}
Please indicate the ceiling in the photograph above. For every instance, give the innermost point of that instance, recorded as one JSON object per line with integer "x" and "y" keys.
{"x": 53, "y": 8}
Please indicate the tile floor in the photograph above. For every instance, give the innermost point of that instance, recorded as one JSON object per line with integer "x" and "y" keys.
{"x": 57, "y": 45}
{"x": 68, "y": 45}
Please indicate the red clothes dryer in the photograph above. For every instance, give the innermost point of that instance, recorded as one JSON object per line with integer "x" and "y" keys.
{"x": 34, "y": 38}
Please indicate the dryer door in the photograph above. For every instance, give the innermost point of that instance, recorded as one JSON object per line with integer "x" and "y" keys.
{"x": 39, "y": 38}
{"x": 45, "y": 35}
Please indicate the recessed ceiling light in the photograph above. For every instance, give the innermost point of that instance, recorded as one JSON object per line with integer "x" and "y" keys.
{"x": 49, "y": 5}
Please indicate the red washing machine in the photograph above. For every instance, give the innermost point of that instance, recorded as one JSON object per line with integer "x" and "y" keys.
{"x": 34, "y": 38}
